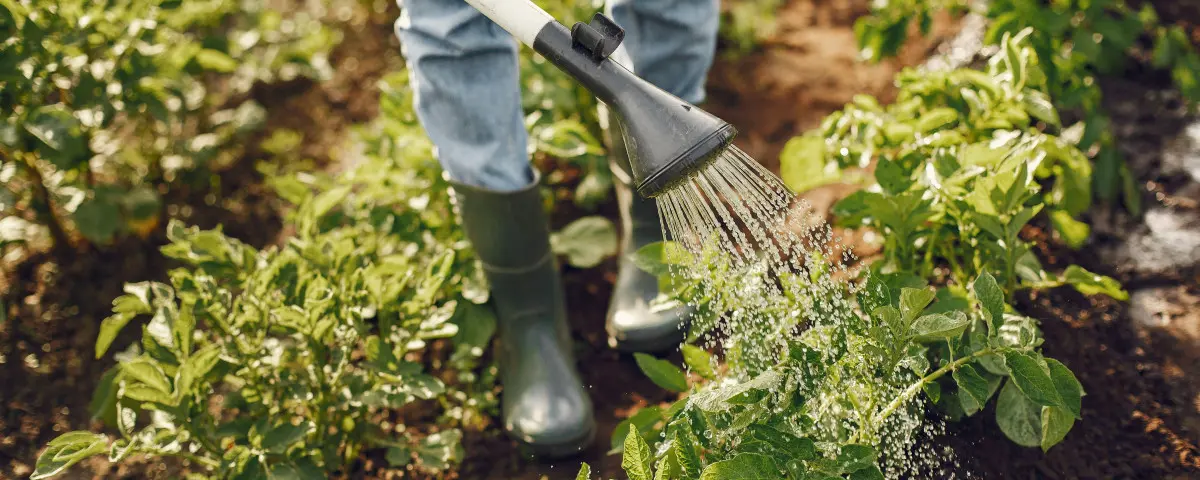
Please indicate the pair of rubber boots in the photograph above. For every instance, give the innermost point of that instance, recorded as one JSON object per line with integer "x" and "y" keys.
{"x": 545, "y": 406}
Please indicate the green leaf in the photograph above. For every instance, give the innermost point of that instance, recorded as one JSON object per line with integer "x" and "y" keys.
{"x": 698, "y": 360}
{"x": 147, "y": 373}
{"x": 852, "y": 458}
{"x": 196, "y": 367}
{"x": 281, "y": 436}
{"x": 66, "y": 450}
{"x": 663, "y": 373}
{"x": 936, "y": 119}
{"x": 216, "y": 61}
{"x": 1039, "y": 106}
{"x": 667, "y": 467}
{"x": 398, "y": 456}
{"x": 636, "y": 458}
{"x": 803, "y": 164}
{"x": 59, "y": 137}
{"x": 775, "y": 443}
{"x": 992, "y": 298}
{"x": 939, "y": 327}
{"x": 441, "y": 450}
{"x": 658, "y": 258}
{"x": 1056, "y": 422}
{"x": 586, "y": 242}
{"x": 744, "y": 466}
{"x": 109, "y": 328}
{"x": 585, "y": 472}
{"x": 1018, "y": 417}
{"x": 972, "y": 384}
{"x": 892, "y": 177}
{"x": 914, "y": 300}
{"x": 476, "y": 326}
{"x": 687, "y": 450}
{"x": 1067, "y": 385}
{"x": 645, "y": 419}
{"x": 97, "y": 220}
{"x": 103, "y": 405}
{"x": 1074, "y": 232}
{"x": 1089, "y": 283}
{"x": 1031, "y": 375}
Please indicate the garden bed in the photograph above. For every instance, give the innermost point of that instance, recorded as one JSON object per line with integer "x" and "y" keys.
{"x": 1140, "y": 415}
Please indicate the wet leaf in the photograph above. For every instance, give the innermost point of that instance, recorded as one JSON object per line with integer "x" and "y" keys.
{"x": 662, "y": 372}
{"x": 636, "y": 457}
{"x": 698, "y": 360}
{"x": 939, "y": 327}
{"x": 744, "y": 466}
{"x": 1018, "y": 417}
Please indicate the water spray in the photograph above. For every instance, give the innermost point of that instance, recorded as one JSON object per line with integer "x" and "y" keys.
{"x": 668, "y": 138}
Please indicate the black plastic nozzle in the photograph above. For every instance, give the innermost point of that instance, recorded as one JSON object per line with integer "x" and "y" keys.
{"x": 667, "y": 138}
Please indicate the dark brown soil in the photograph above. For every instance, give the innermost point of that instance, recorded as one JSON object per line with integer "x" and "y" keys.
{"x": 1136, "y": 423}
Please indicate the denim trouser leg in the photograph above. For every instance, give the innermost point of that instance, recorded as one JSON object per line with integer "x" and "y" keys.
{"x": 464, "y": 75}
{"x": 672, "y": 42}
{"x": 467, "y": 91}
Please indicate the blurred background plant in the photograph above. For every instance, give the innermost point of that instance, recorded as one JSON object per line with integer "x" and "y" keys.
{"x": 1077, "y": 42}
{"x": 105, "y": 103}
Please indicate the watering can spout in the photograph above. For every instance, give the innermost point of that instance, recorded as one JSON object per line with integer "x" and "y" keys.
{"x": 667, "y": 137}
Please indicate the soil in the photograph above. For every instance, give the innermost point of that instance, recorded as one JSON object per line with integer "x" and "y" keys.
{"x": 1140, "y": 412}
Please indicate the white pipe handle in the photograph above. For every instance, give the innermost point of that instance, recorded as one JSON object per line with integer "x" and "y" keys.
{"x": 521, "y": 18}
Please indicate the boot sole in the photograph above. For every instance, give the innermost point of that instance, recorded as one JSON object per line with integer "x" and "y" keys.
{"x": 565, "y": 449}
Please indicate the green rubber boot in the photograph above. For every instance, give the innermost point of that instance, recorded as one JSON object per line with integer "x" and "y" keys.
{"x": 544, "y": 404}
{"x": 632, "y": 325}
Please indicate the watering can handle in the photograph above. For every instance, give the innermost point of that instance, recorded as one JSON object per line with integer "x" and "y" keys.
{"x": 521, "y": 18}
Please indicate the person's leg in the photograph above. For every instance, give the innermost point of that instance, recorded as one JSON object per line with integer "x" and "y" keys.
{"x": 467, "y": 92}
{"x": 671, "y": 44}
{"x": 468, "y": 99}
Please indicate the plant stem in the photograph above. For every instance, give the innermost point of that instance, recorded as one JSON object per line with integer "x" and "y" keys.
{"x": 44, "y": 207}
{"x": 912, "y": 390}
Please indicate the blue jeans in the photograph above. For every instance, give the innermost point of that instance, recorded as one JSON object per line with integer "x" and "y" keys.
{"x": 467, "y": 92}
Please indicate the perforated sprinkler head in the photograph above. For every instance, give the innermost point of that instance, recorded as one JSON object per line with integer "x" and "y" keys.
{"x": 667, "y": 138}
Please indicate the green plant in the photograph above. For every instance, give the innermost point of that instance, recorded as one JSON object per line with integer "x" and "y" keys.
{"x": 845, "y": 391}
{"x": 563, "y": 118}
{"x": 284, "y": 361}
{"x": 1077, "y": 41}
{"x": 106, "y": 102}
{"x": 960, "y": 168}
{"x": 747, "y": 23}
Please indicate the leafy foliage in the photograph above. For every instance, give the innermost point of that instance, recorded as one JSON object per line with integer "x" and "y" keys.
{"x": 963, "y": 161}
{"x": 1076, "y": 41}
{"x": 961, "y": 167}
{"x": 282, "y": 361}
{"x": 105, "y": 101}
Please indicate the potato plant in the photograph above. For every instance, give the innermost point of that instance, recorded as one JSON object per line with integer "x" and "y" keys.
{"x": 285, "y": 361}
{"x": 960, "y": 168}
{"x": 1077, "y": 41}
{"x": 104, "y": 102}
{"x": 845, "y": 392}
